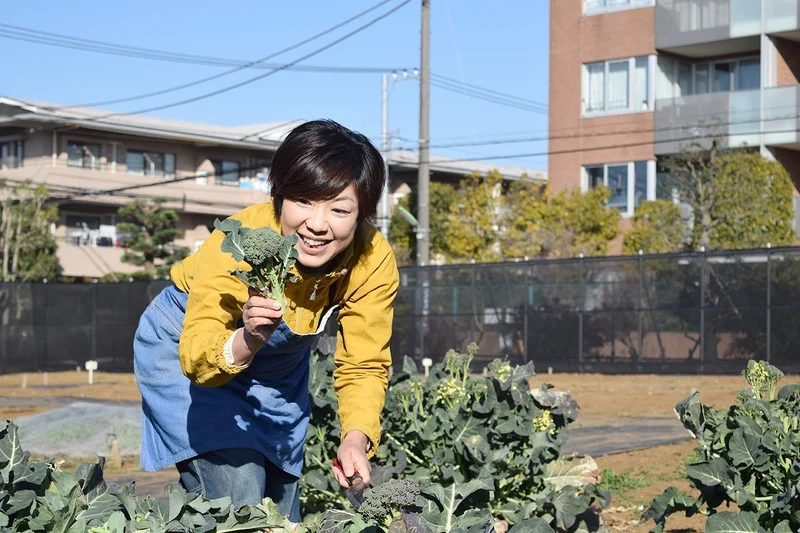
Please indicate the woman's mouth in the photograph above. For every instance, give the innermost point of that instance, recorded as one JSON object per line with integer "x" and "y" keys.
{"x": 313, "y": 246}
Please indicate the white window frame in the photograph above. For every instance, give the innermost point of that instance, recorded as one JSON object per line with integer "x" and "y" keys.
{"x": 711, "y": 77}
{"x": 650, "y": 193}
{"x": 609, "y": 7}
{"x": 632, "y": 107}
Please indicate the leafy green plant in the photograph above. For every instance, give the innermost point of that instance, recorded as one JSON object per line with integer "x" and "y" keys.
{"x": 453, "y": 428}
{"x": 37, "y": 496}
{"x": 269, "y": 254}
{"x": 748, "y": 458}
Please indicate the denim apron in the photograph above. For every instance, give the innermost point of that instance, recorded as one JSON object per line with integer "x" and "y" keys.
{"x": 265, "y": 407}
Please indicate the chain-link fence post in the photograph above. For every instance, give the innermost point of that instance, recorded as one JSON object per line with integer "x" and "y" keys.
{"x": 94, "y": 321}
{"x": 526, "y": 304}
{"x": 769, "y": 302}
{"x": 703, "y": 270}
{"x": 580, "y": 314}
{"x": 639, "y": 311}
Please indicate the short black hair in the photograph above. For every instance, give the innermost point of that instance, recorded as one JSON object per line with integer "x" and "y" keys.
{"x": 319, "y": 159}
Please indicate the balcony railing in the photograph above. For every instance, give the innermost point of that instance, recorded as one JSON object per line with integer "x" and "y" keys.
{"x": 682, "y": 23}
{"x": 781, "y": 119}
{"x": 781, "y": 15}
{"x": 733, "y": 116}
{"x": 736, "y": 117}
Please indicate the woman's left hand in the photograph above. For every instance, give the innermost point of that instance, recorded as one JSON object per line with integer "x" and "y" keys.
{"x": 352, "y": 456}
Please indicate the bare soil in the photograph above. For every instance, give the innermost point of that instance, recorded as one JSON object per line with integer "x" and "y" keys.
{"x": 650, "y": 471}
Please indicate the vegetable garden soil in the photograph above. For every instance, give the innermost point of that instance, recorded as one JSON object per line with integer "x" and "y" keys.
{"x": 641, "y": 475}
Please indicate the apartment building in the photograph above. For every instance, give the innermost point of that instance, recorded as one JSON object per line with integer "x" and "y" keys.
{"x": 206, "y": 171}
{"x": 632, "y": 81}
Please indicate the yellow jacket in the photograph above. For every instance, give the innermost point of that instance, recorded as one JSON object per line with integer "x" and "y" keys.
{"x": 366, "y": 280}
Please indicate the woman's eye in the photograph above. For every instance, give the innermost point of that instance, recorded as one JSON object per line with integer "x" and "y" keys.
{"x": 303, "y": 202}
{"x": 343, "y": 212}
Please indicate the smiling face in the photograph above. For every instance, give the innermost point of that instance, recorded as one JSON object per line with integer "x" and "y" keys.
{"x": 325, "y": 227}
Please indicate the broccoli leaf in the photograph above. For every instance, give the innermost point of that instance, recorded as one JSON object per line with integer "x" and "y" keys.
{"x": 232, "y": 243}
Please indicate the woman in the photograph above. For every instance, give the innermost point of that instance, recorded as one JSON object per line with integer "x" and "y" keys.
{"x": 224, "y": 376}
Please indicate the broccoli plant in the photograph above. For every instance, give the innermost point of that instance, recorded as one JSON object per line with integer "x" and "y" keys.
{"x": 747, "y": 459}
{"x": 269, "y": 255}
{"x": 455, "y": 427}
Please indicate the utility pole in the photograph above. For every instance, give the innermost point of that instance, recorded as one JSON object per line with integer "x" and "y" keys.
{"x": 423, "y": 176}
{"x": 385, "y": 214}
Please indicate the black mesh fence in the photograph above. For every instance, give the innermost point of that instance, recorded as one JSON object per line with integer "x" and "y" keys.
{"x": 50, "y": 326}
{"x": 685, "y": 313}
{"x": 689, "y": 313}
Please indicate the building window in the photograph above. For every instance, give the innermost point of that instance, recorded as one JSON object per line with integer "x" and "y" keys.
{"x": 141, "y": 163}
{"x": 226, "y": 173}
{"x": 11, "y": 154}
{"x": 595, "y": 7}
{"x": 683, "y": 78}
{"x": 83, "y": 155}
{"x": 618, "y": 86}
{"x": 630, "y": 183}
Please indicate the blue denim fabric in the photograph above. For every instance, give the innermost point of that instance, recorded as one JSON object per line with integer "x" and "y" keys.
{"x": 243, "y": 475}
{"x": 264, "y": 408}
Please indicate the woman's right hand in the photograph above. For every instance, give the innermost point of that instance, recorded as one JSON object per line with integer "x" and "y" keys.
{"x": 261, "y": 316}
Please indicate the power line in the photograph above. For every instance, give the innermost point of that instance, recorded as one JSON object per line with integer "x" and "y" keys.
{"x": 19, "y": 33}
{"x": 104, "y": 192}
{"x": 261, "y": 76}
{"x": 87, "y": 192}
{"x": 240, "y": 67}
{"x": 594, "y": 134}
{"x": 625, "y": 145}
{"x": 64, "y": 189}
{"x": 490, "y": 91}
{"x": 506, "y": 101}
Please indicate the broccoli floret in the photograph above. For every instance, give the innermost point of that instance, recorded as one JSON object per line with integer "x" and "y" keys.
{"x": 261, "y": 244}
{"x": 501, "y": 370}
{"x": 763, "y": 378}
{"x": 270, "y": 255}
{"x": 384, "y": 503}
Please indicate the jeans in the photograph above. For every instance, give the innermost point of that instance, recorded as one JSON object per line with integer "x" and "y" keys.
{"x": 244, "y": 475}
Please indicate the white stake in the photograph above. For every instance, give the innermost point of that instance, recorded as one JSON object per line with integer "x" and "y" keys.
{"x": 91, "y": 366}
{"x": 427, "y": 363}
{"x": 44, "y": 379}
{"x": 24, "y": 381}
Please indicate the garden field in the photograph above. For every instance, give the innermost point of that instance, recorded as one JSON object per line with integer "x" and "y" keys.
{"x": 634, "y": 477}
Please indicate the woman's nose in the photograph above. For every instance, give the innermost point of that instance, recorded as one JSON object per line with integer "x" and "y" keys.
{"x": 317, "y": 222}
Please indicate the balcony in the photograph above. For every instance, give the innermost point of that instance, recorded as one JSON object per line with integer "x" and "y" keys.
{"x": 782, "y": 117}
{"x": 782, "y": 16}
{"x": 734, "y": 116}
{"x": 707, "y": 28}
{"x": 186, "y": 196}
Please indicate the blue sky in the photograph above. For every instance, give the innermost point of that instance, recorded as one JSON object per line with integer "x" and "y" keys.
{"x": 498, "y": 45}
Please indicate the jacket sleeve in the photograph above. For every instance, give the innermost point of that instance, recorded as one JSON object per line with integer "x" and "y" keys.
{"x": 362, "y": 353}
{"x": 213, "y": 308}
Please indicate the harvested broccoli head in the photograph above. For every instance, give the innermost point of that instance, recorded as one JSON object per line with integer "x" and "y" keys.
{"x": 269, "y": 254}
{"x": 386, "y": 502}
{"x": 261, "y": 245}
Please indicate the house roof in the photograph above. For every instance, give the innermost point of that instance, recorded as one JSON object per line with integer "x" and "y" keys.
{"x": 258, "y": 136}
{"x": 261, "y": 136}
{"x": 409, "y": 159}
